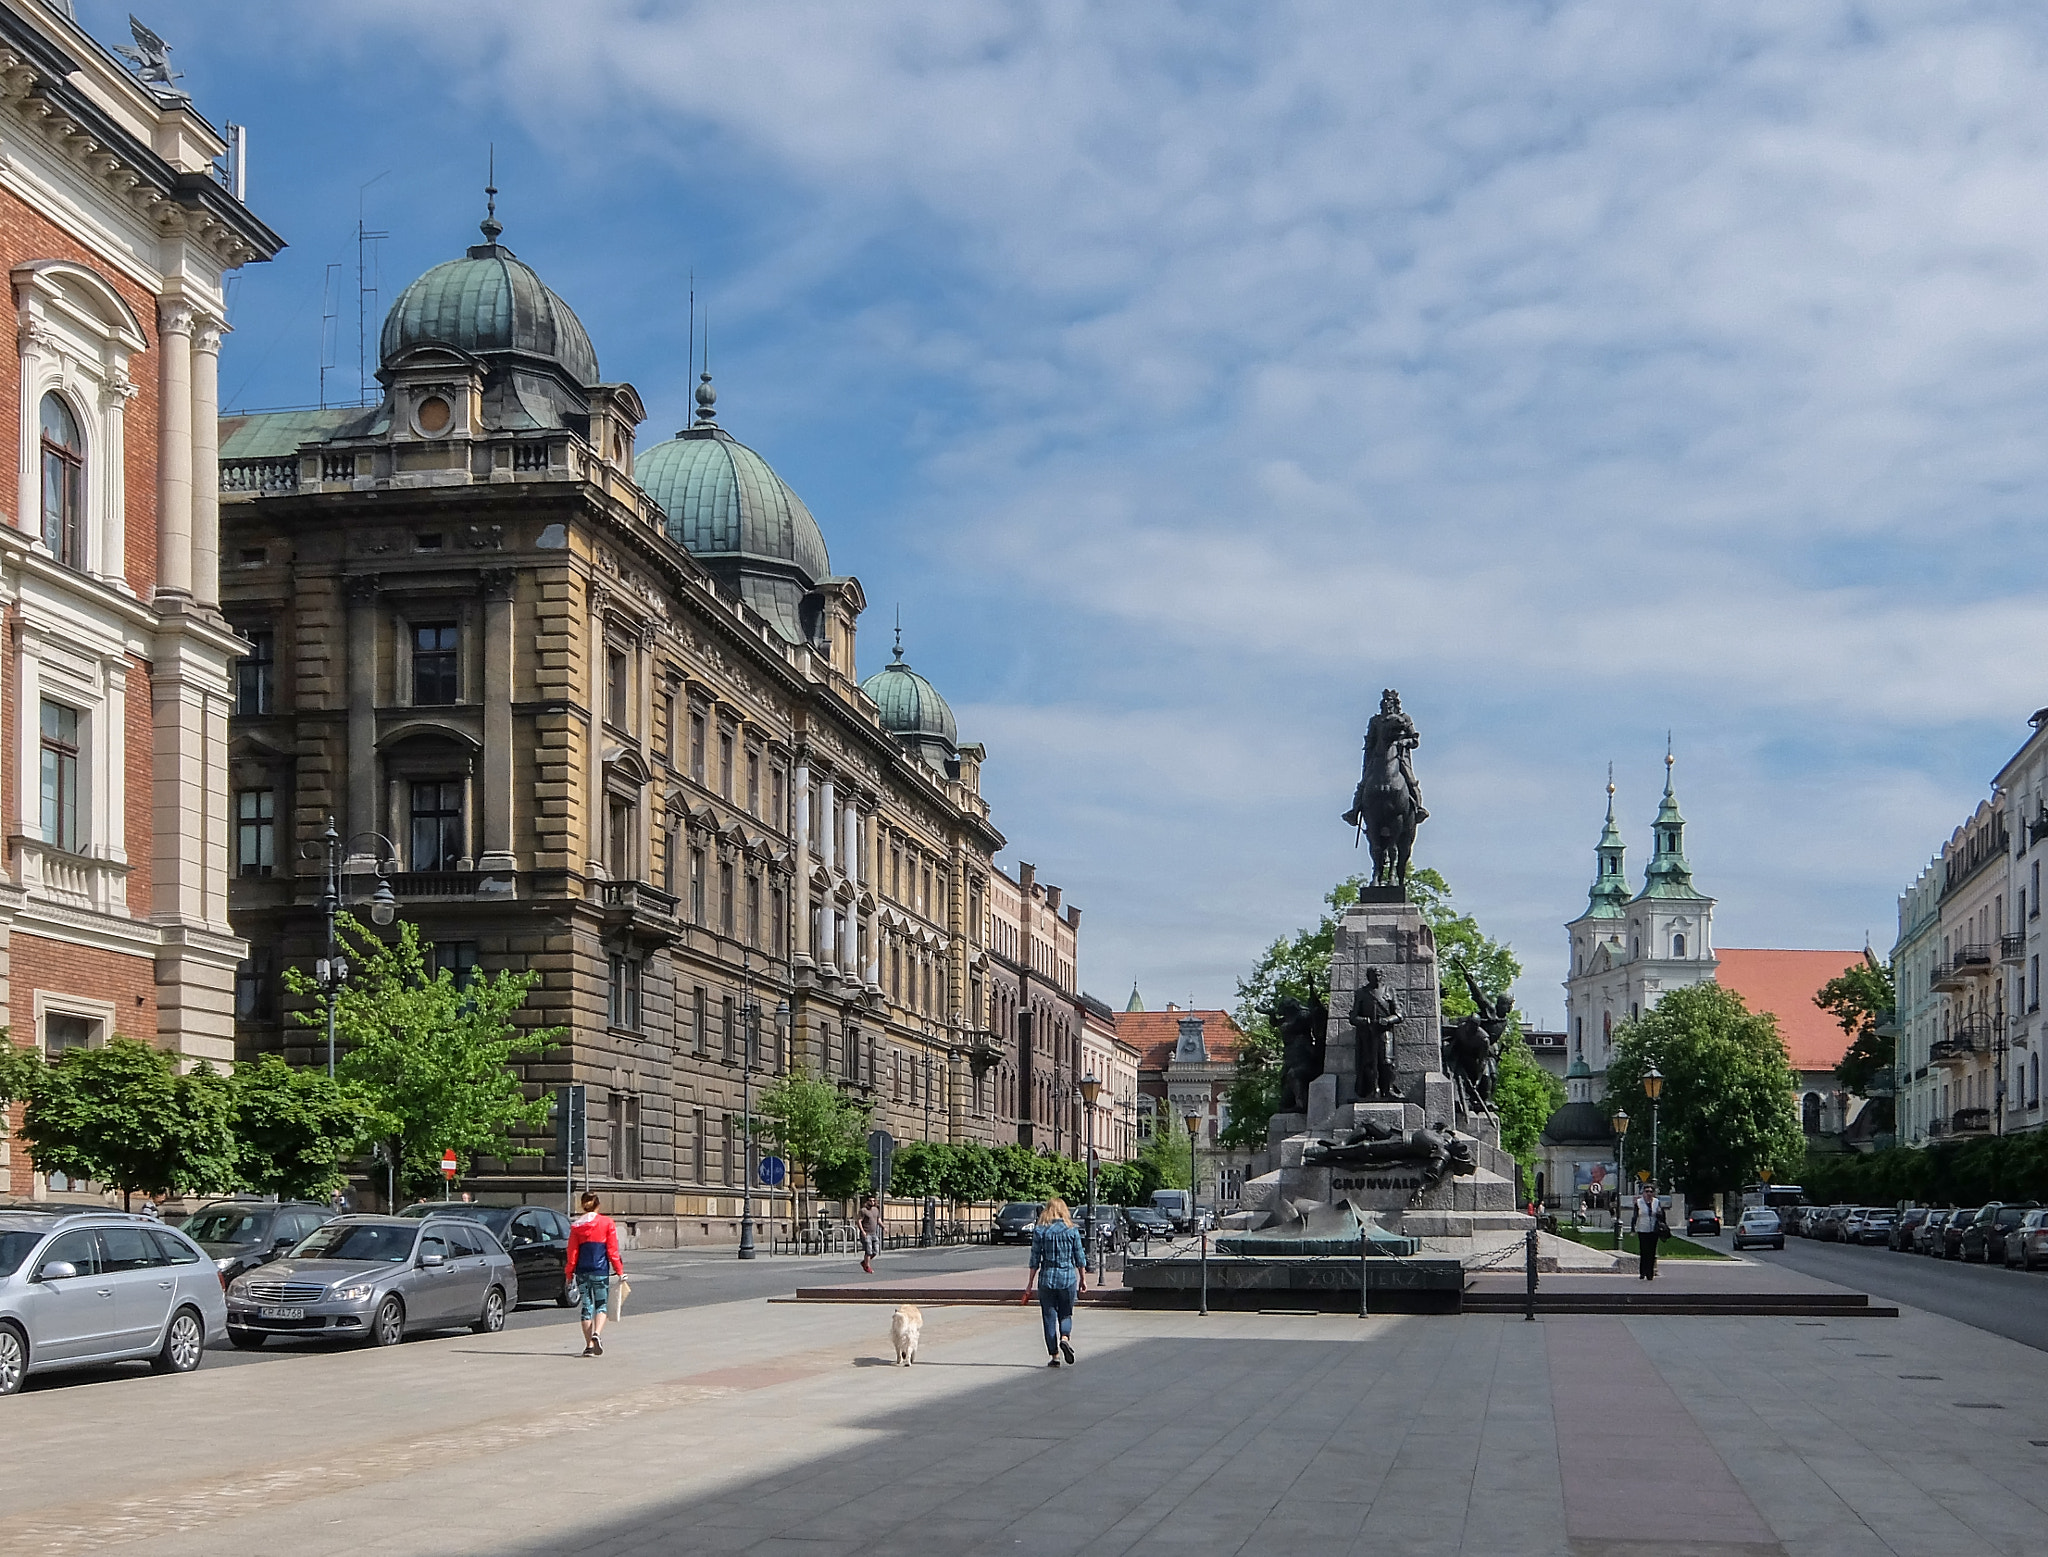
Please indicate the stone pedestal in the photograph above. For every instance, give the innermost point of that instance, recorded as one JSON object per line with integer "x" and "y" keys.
{"x": 1393, "y": 937}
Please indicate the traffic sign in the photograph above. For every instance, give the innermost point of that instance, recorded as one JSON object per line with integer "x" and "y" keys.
{"x": 881, "y": 1158}
{"x": 773, "y": 1171}
{"x": 572, "y": 1126}
{"x": 448, "y": 1164}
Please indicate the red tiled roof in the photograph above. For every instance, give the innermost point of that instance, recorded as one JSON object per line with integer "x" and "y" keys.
{"x": 1784, "y": 984}
{"x": 1154, "y": 1033}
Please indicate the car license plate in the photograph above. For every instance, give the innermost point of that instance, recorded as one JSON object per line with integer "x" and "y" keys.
{"x": 280, "y": 1313}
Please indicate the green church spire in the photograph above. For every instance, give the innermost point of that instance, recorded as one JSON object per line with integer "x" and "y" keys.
{"x": 1610, "y": 892}
{"x": 1669, "y": 875}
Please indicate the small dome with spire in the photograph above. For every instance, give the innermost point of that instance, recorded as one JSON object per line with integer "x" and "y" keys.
{"x": 912, "y": 709}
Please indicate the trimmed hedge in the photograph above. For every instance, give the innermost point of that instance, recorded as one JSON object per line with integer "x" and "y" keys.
{"x": 1954, "y": 1173}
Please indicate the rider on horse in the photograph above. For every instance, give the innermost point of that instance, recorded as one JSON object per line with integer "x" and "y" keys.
{"x": 1391, "y": 727}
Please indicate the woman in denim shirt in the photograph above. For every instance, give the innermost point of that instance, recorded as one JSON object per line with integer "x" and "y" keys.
{"x": 1059, "y": 1264}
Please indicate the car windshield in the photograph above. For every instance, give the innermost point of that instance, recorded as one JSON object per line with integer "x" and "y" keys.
{"x": 224, "y": 1224}
{"x": 14, "y": 1248}
{"x": 1017, "y": 1208}
{"x": 370, "y": 1242}
{"x": 493, "y": 1217}
{"x": 1759, "y": 1216}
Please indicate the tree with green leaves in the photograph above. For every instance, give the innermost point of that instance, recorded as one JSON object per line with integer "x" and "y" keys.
{"x": 432, "y": 1055}
{"x": 1862, "y": 998}
{"x": 1169, "y": 1152}
{"x": 295, "y": 1129}
{"x": 822, "y": 1130}
{"x": 125, "y": 1116}
{"x": 1726, "y": 1110}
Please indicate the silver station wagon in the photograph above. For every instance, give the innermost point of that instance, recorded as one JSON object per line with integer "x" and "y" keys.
{"x": 84, "y": 1288}
{"x": 377, "y": 1279}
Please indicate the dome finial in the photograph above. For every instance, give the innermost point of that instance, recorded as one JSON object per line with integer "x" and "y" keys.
{"x": 1610, "y": 791}
{"x": 898, "y": 659}
{"x": 490, "y": 226}
{"x": 707, "y": 397}
{"x": 1668, "y": 761}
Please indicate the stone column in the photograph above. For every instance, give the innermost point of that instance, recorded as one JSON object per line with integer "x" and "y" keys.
{"x": 496, "y": 855}
{"x": 828, "y": 821}
{"x": 593, "y": 771}
{"x": 800, "y": 885}
{"x": 205, "y": 459}
{"x": 174, "y": 448}
{"x": 362, "y": 718}
{"x": 116, "y": 390}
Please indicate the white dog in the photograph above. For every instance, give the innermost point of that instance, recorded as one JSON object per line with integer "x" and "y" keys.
{"x": 904, "y": 1328}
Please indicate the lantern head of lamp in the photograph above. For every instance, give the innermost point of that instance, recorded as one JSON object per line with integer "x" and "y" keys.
{"x": 1091, "y": 1089}
{"x": 1194, "y": 1123}
{"x": 383, "y": 903}
{"x": 1620, "y": 1122}
{"x": 1653, "y": 1083}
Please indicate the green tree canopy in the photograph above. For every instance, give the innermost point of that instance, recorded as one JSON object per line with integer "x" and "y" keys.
{"x": 125, "y": 1116}
{"x": 1862, "y": 998}
{"x": 432, "y": 1055}
{"x": 822, "y": 1130}
{"x": 1168, "y": 1152}
{"x": 1727, "y": 1110}
{"x": 295, "y": 1128}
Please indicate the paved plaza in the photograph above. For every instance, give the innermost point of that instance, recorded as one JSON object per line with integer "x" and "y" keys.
{"x": 783, "y": 1429}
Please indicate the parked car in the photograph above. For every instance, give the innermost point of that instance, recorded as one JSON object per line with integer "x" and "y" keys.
{"x": 536, "y": 1237}
{"x": 1013, "y": 1223}
{"x": 1147, "y": 1222}
{"x": 1106, "y": 1220}
{"x": 1703, "y": 1223}
{"x": 1829, "y": 1229}
{"x": 1952, "y": 1232}
{"x": 378, "y": 1278}
{"x": 243, "y": 1233}
{"x": 1904, "y": 1226}
{"x": 79, "y": 1288}
{"x": 1867, "y": 1224}
{"x": 1760, "y": 1226}
{"x": 1927, "y": 1236}
{"x": 2027, "y": 1244}
{"x": 1984, "y": 1239}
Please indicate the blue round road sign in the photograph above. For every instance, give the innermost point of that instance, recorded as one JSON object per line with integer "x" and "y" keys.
{"x": 772, "y": 1170}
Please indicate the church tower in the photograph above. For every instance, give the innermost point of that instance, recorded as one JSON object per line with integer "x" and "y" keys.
{"x": 1596, "y": 987}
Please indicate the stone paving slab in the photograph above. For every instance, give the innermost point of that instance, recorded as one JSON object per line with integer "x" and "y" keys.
{"x": 768, "y": 1429}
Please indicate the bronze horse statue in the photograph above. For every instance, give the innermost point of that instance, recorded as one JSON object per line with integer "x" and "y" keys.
{"x": 1387, "y": 806}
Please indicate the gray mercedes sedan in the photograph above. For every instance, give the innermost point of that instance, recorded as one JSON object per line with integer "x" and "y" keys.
{"x": 377, "y": 1278}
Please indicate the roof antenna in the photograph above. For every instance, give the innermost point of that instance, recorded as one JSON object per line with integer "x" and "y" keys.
{"x": 490, "y": 224}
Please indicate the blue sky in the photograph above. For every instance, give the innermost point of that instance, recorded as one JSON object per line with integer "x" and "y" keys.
{"x": 1189, "y": 373}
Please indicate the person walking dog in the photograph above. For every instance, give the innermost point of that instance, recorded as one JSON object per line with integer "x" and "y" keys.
{"x": 593, "y": 1261}
{"x": 1648, "y": 1224}
{"x": 870, "y": 1234}
{"x": 1059, "y": 1264}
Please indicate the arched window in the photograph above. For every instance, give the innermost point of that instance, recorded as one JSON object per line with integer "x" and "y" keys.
{"x": 63, "y": 483}
{"x": 1678, "y": 946}
{"x": 1809, "y": 1113}
{"x": 2033, "y": 1081}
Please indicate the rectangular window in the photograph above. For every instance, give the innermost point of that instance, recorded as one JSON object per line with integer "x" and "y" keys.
{"x": 455, "y": 958}
{"x": 753, "y": 910}
{"x": 697, "y": 747}
{"x": 2034, "y": 892}
{"x": 700, "y": 1000}
{"x": 699, "y": 1145}
{"x": 617, "y": 686}
{"x": 697, "y": 886}
{"x": 731, "y": 1154}
{"x": 776, "y": 932}
{"x": 2034, "y": 983}
{"x": 62, "y": 1032}
{"x": 60, "y": 777}
{"x": 731, "y": 1031}
{"x": 435, "y": 665}
{"x": 725, "y": 765}
{"x": 252, "y": 988}
{"x": 255, "y": 832}
{"x": 437, "y": 832}
{"x": 254, "y": 673}
{"x": 778, "y": 791}
{"x": 670, "y": 850}
{"x": 725, "y": 900}
{"x": 625, "y": 991}
{"x": 753, "y": 783}
{"x": 668, "y": 728}
{"x": 624, "y": 1142}
{"x": 621, "y": 834}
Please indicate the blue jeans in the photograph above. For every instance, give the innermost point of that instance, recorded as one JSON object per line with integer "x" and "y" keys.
{"x": 596, "y": 1292}
{"x": 1056, "y": 1308}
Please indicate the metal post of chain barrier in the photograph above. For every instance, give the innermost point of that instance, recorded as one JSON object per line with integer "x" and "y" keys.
{"x": 1529, "y": 1301}
{"x": 1364, "y": 1304}
{"x": 1205, "y": 1270}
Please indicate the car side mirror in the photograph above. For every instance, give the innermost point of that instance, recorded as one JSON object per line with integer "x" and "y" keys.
{"x": 430, "y": 1261}
{"x": 56, "y": 1270}
{"x": 282, "y": 1244}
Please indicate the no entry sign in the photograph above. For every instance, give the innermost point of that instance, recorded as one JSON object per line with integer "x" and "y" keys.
{"x": 448, "y": 1164}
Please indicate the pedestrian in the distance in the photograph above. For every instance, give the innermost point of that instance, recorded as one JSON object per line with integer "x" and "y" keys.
{"x": 1059, "y": 1264}
{"x": 1648, "y": 1224}
{"x": 593, "y": 1261}
{"x": 153, "y": 1204}
{"x": 870, "y": 1233}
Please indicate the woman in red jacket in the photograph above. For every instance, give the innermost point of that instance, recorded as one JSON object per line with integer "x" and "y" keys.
{"x": 593, "y": 1261}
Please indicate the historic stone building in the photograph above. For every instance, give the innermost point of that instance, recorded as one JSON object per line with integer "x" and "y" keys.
{"x": 1032, "y": 936}
{"x": 591, "y": 709}
{"x": 116, "y": 233}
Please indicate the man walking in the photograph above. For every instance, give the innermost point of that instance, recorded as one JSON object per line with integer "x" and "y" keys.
{"x": 1648, "y": 1224}
{"x": 870, "y": 1234}
{"x": 593, "y": 1261}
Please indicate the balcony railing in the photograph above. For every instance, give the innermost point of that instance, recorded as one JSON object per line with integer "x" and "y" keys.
{"x": 1951, "y": 1049}
{"x": 1936, "y": 1129}
{"x": 1975, "y": 959}
{"x": 1948, "y": 976}
{"x": 434, "y": 883}
{"x": 272, "y": 475}
{"x": 2012, "y": 948}
{"x": 634, "y": 897}
{"x": 1971, "y": 1121}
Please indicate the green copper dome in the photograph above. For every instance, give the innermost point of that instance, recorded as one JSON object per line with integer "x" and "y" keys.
{"x": 913, "y": 711}
{"x": 489, "y": 302}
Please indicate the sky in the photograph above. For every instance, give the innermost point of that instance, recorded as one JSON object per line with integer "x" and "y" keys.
{"x": 1188, "y": 373}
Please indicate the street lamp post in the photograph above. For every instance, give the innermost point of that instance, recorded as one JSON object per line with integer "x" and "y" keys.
{"x": 1195, "y": 1205}
{"x": 750, "y": 1014}
{"x": 1620, "y": 1136}
{"x": 1653, "y": 1086}
{"x": 1091, "y": 1089}
{"x": 331, "y": 971}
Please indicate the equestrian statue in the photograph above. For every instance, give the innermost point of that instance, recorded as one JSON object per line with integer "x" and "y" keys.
{"x": 1387, "y": 806}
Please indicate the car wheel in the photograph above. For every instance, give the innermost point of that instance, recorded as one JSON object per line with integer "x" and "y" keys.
{"x": 492, "y": 1319}
{"x": 566, "y": 1298}
{"x": 13, "y": 1359}
{"x": 247, "y": 1340}
{"x": 184, "y": 1344}
{"x": 388, "y": 1327}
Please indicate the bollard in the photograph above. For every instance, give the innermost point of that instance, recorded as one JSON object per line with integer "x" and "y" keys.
{"x": 1529, "y": 1256}
{"x": 1205, "y": 1270}
{"x": 1364, "y": 1307}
